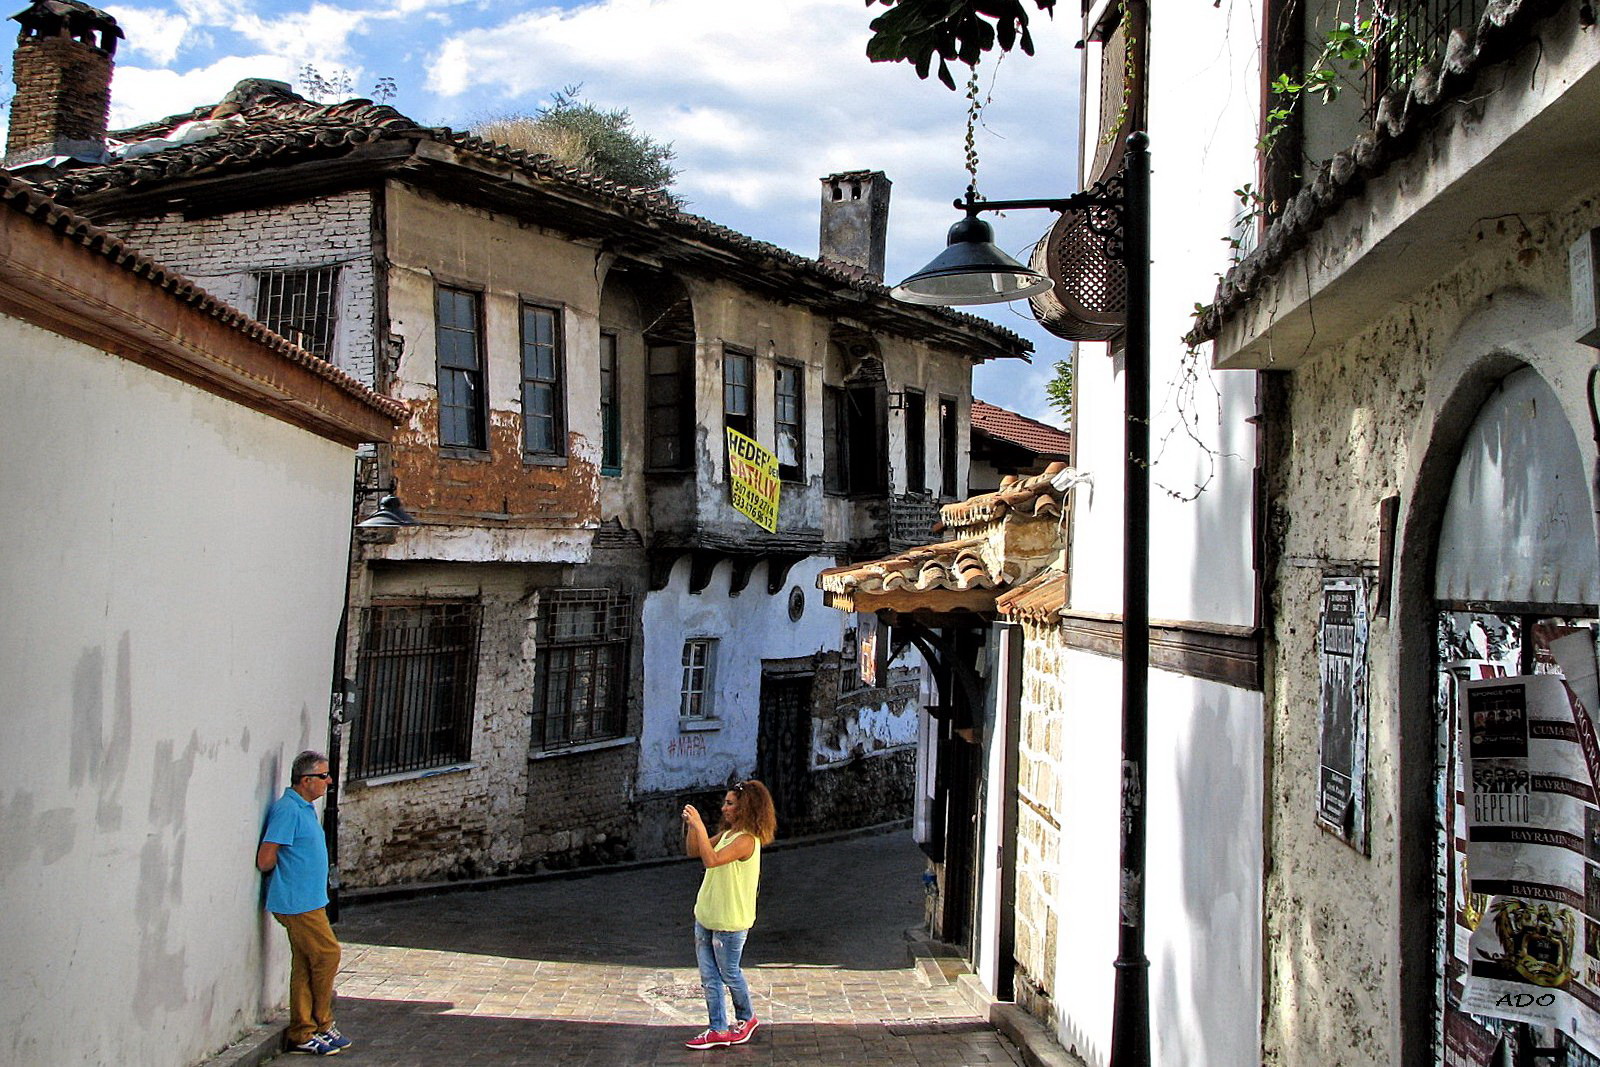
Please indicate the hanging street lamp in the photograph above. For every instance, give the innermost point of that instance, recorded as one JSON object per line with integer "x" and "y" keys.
{"x": 971, "y": 270}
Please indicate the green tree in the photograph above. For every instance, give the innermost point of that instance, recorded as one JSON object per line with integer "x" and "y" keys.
{"x": 915, "y": 31}
{"x": 602, "y": 141}
{"x": 1059, "y": 389}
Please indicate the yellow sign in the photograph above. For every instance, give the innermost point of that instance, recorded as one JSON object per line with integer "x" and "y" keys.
{"x": 753, "y": 480}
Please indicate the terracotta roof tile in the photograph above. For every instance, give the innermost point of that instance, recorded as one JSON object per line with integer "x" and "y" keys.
{"x": 948, "y": 565}
{"x": 1031, "y": 434}
{"x": 18, "y": 196}
{"x": 1033, "y": 495}
{"x": 1399, "y": 121}
{"x": 1039, "y": 599}
{"x": 280, "y": 128}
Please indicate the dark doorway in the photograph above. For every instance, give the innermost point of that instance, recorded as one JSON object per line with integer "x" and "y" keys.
{"x": 783, "y": 745}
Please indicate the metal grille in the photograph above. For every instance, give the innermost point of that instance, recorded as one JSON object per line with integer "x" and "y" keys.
{"x": 1415, "y": 33}
{"x": 299, "y": 305}
{"x": 581, "y": 691}
{"x": 418, "y": 676}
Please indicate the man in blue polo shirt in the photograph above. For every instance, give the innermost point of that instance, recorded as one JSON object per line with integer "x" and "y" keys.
{"x": 294, "y": 852}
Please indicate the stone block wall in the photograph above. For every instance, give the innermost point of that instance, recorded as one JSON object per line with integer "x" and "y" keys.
{"x": 1355, "y": 422}
{"x": 1039, "y": 762}
{"x": 221, "y": 253}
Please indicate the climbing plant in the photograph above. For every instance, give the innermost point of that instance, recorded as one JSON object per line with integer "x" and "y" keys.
{"x": 922, "y": 31}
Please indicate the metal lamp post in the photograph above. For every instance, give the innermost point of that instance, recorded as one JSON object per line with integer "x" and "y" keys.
{"x": 971, "y": 270}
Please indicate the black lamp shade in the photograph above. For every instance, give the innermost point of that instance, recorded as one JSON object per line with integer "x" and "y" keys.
{"x": 390, "y": 513}
{"x": 971, "y": 270}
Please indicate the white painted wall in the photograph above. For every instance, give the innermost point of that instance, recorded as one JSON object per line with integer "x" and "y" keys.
{"x": 1203, "y": 91}
{"x": 750, "y": 627}
{"x": 166, "y": 652}
{"x": 1204, "y": 856}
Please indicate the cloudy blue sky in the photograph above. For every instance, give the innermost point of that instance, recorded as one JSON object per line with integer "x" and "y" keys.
{"x": 759, "y": 97}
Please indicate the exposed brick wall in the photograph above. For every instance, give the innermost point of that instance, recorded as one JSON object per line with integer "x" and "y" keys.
{"x": 1040, "y": 751}
{"x": 220, "y": 253}
{"x": 63, "y": 93}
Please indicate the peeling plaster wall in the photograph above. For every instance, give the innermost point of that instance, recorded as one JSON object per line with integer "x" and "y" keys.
{"x": 749, "y": 628}
{"x": 434, "y": 242}
{"x": 164, "y": 663}
{"x": 220, "y": 253}
{"x": 466, "y": 820}
{"x": 1361, "y": 421}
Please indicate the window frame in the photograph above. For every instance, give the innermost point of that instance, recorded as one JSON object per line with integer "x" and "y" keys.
{"x": 418, "y": 701}
{"x": 607, "y": 644}
{"x": 323, "y": 312}
{"x": 743, "y": 392}
{"x": 555, "y": 381}
{"x": 661, "y": 409}
{"x": 476, "y": 377}
{"x": 703, "y": 697}
{"x": 949, "y": 444}
{"x": 610, "y": 406}
{"x": 916, "y": 432}
{"x": 796, "y": 471}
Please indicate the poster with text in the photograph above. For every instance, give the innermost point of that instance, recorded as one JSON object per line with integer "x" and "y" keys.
{"x": 753, "y": 480}
{"x": 1533, "y": 850}
{"x": 1342, "y": 662}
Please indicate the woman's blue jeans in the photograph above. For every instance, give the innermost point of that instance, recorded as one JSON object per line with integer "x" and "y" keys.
{"x": 718, "y": 952}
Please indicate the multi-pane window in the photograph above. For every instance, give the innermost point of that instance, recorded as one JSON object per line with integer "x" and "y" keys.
{"x": 947, "y": 447}
{"x": 696, "y": 698}
{"x": 543, "y": 429}
{"x": 915, "y": 407}
{"x": 668, "y": 410}
{"x": 580, "y": 694}
{"x": 300, "y": 305}
{"x": 737, "y": 413}
{"x": 417, "y": 674}
{"x": 787, "y": 389}
{"x": 610, "y": 408}
{"x": 463, "y": 418}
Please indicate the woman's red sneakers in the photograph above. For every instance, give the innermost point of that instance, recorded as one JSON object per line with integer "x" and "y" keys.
{"x": 742, "y": 1032}
{"x": 712, "y": 1039}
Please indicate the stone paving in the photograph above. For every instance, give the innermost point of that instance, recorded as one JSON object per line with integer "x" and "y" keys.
{"x": 599, "y": 971}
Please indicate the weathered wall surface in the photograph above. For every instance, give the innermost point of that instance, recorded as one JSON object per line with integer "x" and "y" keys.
{"x": 432, "y": 242}
{"x": 1360, "y": 419}
{"x": 164, "y": 662}
{"x": 464, "y": 820}
{"x": 1040, "y": 755}
{"x": 220, "y": 254}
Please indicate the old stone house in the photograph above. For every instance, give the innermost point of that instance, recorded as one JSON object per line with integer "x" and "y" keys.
{"x": 165, "y": 652}
{"x": 1372, "y": 480}
{"x": 582, "y": 631}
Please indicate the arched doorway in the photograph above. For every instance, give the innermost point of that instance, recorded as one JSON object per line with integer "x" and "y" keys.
{"x": 1515, "y": 581}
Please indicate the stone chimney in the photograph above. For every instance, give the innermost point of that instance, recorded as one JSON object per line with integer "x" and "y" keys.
{"x": 62, "y": 68}
{"x": 855, "y": 220}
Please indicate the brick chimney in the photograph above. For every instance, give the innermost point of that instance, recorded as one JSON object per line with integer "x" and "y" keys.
{"x": 62, "y": 68}
{"x": 855, "y": 220}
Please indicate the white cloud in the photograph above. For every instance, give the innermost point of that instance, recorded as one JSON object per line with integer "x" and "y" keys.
{"x": 142, "y": 94}
{"x": 153, "y": 34}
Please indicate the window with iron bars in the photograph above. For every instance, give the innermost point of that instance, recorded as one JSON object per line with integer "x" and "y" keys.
{"x": 580, "y": 693}
{"x": 300, "y": 305}
{"x": 417, "y": 673}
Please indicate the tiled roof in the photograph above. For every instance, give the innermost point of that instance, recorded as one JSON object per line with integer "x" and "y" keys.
{"x": 279, "y": 128}
{"x": 1039, "y": 599}
{"x": 1402, "y": 116}
{"x": 949, "y": 565}
{"x": 18, "y": 196}
{"x": 1031, "y": 434}
{"x": 1033, "y": 495}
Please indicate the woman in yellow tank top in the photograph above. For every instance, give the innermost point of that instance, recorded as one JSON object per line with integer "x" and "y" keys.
{"x": 726, "y": 907}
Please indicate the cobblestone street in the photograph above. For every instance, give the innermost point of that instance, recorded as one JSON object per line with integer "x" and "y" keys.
{"x": 599, "y": 970}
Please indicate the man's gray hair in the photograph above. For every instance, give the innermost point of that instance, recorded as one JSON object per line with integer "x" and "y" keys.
{"x": 304, "y": 764}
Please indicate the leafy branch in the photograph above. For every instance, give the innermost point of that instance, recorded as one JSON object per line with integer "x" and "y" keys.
{"x": 919, "y": 31}
{"x": 1346, "y": 50}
